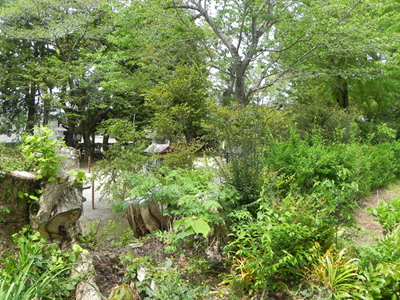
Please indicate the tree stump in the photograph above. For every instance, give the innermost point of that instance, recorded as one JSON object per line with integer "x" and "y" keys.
{"x": 54, "y": 215}
{"x": 58, "y": 208}
{"x": 145, "y": 216}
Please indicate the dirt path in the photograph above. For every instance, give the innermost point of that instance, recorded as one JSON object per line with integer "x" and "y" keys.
{"x": 372, "y": 230}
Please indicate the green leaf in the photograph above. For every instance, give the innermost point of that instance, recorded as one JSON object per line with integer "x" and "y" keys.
{"x": 33, "y": 197}
{"x": 181, "y": 235}
{"x": 51, "y": 179}
{"x": 178, "y": 223}
{"x": 201, "y": 226}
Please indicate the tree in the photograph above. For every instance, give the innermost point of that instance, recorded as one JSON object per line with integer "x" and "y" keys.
{"x": 180, "y": 104}
{"x": 258, "y": 43}
{"x": 143, "y": 51}
{"x": 21, "y": 82}
{"x": 358, "y": 75}
{"x": 69, "y": 32}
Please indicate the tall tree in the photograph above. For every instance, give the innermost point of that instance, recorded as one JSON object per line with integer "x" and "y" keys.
{"x": 359, "y": 72}
{"x": 21, "y": 81}
{"x": 72, "y": 31}
{"x": 260, "y": 42}
{"x": 147, "y": 52}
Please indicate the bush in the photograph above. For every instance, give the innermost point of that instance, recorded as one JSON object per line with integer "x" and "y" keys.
{"x": 182, "y": 154}
{"x": 277, "y": 244}
{"x": 244, "y": 133}
{"x": 348, "y": 170}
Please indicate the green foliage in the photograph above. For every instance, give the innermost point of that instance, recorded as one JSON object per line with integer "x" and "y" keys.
{"x": 37, "y": 271}
{"x": 384, "y": 134}
{"x": 326, "y": 119}
{"x": 80, "y": 176}
{"x": 388, "y": 214}
{"x": 11, "y": 158}
{"x": 180, "y": 104}
{"x": 245, "y": 132}
{"x": 159, "y": 283}
{"x": 122, "y": 292}
{"x": 29, "y": 196}
{"x": 184, "y": 193}
{"x": 39, "y": 151}
{"x": 334, "y": 276}
{"x": 172, "y": 286}
{"x": 278, "y": 243}
{"x": 379, "y": 268}
{"x": 182, "y": 154}
{"x": 125, "y": 156}
{"x": 190, "y": 226}
{"x": 98, "y": 237}
{"x": 2, "y": 211}
{"x": 347, "y": 170}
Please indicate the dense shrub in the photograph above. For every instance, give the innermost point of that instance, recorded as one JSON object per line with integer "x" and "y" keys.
{"x": 278, "y": 243}
{"x": 309, "y": 193}
{"x": 348, "y": 170}
{"x": 331, "y": 122}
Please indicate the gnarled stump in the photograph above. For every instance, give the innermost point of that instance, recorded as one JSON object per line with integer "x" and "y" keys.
{"x": 57, "y": 199}
{"x": 59, "y": 208}
{"x": 13, "y": 186}
{"x": 145, "y": 216}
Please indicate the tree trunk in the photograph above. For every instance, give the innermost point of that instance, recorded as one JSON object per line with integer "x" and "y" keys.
{"x": 342, "y": 93}
{"x": 18, "y": 216}
{"x": 30, "y": 103}
{"x": 87, "y": 144}
{"x": 54, "y": 215}
{"x": 240, "y": 85}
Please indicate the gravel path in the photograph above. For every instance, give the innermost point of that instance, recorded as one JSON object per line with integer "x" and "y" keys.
{"x": 102, "y": 209}
{"x": 102, "y": 212}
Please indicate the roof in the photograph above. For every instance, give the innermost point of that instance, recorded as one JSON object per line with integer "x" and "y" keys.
{"x": 157, "y": 148}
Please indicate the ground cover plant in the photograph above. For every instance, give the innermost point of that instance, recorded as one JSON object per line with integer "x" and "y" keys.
{"x": 37, "y": 271}
{"x": 300, "y": 223}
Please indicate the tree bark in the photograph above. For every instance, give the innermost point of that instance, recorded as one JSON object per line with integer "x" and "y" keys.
{"x": 58, "y": 208}
{"x": 146, "y": 217}
{"x": 342, "y": 93}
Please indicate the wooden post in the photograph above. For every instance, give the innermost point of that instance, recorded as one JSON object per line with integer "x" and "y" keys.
{"x": 92, "y": 194}
{"x": 92, "y": 183}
